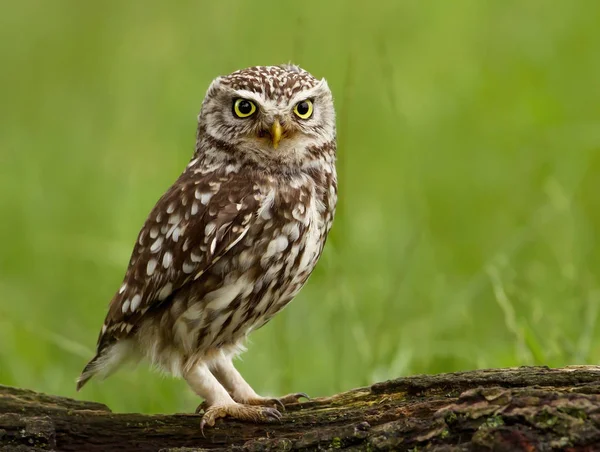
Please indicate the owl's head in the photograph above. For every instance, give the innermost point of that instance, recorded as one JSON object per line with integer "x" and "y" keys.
{"x": 268, "y": 113}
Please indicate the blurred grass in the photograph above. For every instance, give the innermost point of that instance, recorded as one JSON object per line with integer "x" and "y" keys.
{"x": 469, "y": 155}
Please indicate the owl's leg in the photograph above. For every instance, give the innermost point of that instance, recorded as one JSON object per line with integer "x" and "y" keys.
{"x": 219, "y": 402}
{"x": 241, "y": 391}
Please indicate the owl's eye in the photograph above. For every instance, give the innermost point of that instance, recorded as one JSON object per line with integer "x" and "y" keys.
{"x": 304, "y": 109}
{"x": 243, "y": 108}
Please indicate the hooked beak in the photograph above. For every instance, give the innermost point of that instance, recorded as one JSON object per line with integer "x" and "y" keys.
{"x": 276, "y": 131}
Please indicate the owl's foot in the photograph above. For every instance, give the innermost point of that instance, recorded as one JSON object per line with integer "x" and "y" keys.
{"x": 239, "y": 412}
{"x": 279, "y": 402}
{"x": 274, "y": 402}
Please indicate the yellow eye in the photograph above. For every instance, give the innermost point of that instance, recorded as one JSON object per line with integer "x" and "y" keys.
{"x": 304, "y": 109}
{"x": 243, "y": 108}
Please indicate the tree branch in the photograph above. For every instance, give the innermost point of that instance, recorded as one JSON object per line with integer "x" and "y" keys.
{"x": 528, "y": 408}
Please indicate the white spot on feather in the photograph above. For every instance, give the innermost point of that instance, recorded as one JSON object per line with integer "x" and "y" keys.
{"x": 221, "y": 298}
{"x": 195, "y": 257}
{"x": 209, "y": 228}
{"x": 176, "y": 233}
{"x": 292, "y": 230}
{"x": 123, "y": 288}
{"x": 165, "y": 291}
{"x": 156, "y": 245}
{"x": 125, "y": 306}
{"x": 135, "y": 302}
{"x": 151, "y": 266}
{"x": 204, "y": 197}
{"x": 188, "y": 267}
{"x": 167, "y": 259}
{"x": 277, "y": 245}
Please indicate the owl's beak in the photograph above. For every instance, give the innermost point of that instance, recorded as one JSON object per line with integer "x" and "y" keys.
{"x": 276, "y": 131}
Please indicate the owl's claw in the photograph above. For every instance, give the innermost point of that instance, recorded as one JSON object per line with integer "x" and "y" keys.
{"x": 280, "y": 402}
{"x": 239, "y": 412}
{"x": 294, "y": 398}
{"x": 202, "y": 407}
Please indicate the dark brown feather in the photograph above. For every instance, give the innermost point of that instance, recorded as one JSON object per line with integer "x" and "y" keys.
{"x": 230, "y": 210}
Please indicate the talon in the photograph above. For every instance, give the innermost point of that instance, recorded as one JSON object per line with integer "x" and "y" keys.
{"x": 278, "y": 403}
{"x": 302, "y": 395}
{"x": 294, "y": 398}
{"x": 202, "y": 407}
{"x": 273, "y": 413}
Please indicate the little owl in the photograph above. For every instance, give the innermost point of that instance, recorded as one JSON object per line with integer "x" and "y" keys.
{"x": 232, "y": 241}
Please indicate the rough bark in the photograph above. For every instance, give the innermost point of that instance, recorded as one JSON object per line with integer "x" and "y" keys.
{"x": 521, "y": 409}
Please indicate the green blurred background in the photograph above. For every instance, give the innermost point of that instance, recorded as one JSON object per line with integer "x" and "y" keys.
{"x": 469, "y": 158}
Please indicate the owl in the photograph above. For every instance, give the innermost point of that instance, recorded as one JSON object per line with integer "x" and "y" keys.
{"x": 232, "y": 241}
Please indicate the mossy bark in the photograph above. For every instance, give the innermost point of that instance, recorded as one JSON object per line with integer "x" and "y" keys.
{"x": 521, "y": 409}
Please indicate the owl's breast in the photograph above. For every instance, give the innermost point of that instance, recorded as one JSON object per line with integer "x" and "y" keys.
{"x": 292, "y": 230}
{"x": 261, "y": 274}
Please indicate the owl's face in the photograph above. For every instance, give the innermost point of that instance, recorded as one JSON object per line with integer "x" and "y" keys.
{"x": 269, "y": 113}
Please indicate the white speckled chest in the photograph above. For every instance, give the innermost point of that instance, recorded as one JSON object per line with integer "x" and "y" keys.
{"x": 263, "y": 272}
{"x": 279, "y": 253}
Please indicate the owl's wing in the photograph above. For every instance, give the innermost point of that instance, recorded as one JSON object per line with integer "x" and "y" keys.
{"x": 196, "y": 222}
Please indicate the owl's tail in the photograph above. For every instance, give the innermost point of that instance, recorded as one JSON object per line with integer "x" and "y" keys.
{"x": 88, "y": 372}
{"x": 106, "y": 361}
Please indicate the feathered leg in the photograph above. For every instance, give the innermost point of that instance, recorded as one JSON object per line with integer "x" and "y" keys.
{"x": 219, "y": 402}
{"x": 241, "y": 391}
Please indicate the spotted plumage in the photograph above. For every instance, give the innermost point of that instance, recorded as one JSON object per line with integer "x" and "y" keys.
{"x": 233, "y": 240}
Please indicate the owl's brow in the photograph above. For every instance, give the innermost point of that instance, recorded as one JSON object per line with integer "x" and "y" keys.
{"x": 246, "y": 94}
{"x": 309, "y": 93}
